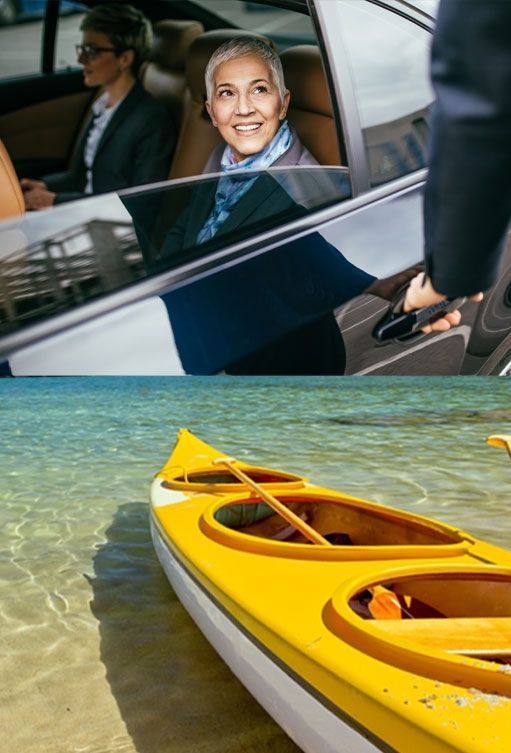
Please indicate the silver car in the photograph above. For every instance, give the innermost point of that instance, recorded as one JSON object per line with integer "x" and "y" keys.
{"x": 87, "y": 287}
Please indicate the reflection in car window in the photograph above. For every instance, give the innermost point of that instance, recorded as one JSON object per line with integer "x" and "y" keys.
{"x": 107, "y": 243}
{"x": 169, "y": 232}
{"x": 389, "y": 58}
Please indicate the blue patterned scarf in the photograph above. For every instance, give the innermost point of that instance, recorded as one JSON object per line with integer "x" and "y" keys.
{"x": 231, "y": 188}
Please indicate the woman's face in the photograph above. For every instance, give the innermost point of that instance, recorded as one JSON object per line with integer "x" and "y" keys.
{"x": 245, "y": 105}
{"x": 105, "y": 67}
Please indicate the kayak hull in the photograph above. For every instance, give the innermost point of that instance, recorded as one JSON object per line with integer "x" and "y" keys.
{"x": 295, "y": 707}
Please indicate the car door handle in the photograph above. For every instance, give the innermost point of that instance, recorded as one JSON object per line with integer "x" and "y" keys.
{"x": 395, "y": 324}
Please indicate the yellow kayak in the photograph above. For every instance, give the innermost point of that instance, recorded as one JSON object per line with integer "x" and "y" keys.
{"x": 357, "y": 626}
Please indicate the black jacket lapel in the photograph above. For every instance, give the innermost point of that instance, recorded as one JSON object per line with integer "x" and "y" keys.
{"x": 127, "y": 105}
{"x": 202, "y": 204}
{"x": 255, "y": 201}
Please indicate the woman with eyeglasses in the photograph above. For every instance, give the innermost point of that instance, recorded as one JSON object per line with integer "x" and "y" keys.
{"x": 130, "y": 137}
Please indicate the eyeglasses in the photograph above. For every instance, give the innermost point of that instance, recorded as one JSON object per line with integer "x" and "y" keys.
{"x": 91, "y": 51}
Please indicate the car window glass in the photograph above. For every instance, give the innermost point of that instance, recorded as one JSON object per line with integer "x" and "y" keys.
{"x": 21, "y": 33}
{"x": 389, "y": 60}
{"x": 68, "y": 35}
{"x": 55, "y": 261}
{"x": 283, "y": 26}
{"x": 20, "y": 37}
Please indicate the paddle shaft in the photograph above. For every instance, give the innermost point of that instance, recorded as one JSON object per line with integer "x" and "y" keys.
{"x": 281, "y": 509}
{"x": 386, "y": 604}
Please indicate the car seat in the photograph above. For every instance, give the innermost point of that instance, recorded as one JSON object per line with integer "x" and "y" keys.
{"x": 12, "y": 204}
{"x": 163, "y": 74}
{"x": 310, "y": 109}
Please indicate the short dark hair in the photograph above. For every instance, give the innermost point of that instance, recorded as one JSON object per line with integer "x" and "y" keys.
{"x": 125, "y": 26}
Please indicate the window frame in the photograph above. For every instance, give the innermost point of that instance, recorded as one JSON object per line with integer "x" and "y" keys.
{"x": 336, "y": 60}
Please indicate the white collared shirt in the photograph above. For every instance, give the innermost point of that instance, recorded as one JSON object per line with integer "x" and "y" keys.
{"x": 102, "y": 113}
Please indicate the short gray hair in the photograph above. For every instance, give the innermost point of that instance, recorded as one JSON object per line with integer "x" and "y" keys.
{"x": 239, "y": 47}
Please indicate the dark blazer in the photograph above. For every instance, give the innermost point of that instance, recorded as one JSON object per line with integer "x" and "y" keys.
{"x": 273, "y": 314}
{"x": 135, "y": 148}
{"x": 468, "y": 191}
{"x": 266, "y": 199}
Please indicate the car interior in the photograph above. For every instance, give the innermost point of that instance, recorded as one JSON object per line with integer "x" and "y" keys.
{"x": 12, "y": 204}
{"x": 174, "y": 75}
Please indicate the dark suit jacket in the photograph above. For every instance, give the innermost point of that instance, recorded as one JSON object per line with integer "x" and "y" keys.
{"x": 273, "y": 314}
{"x": 265, "y": 200}
{"x": 135, "y": 148}
{"x": 468, "y": 191}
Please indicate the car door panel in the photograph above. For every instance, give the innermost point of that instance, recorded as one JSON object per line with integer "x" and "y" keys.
{"x": 256, "y": 304}
{"x": 246, "y": 309}
{"x": 492, "y": 325}
{"x": 136, "y": 339}
{"x": 384, "y": 238}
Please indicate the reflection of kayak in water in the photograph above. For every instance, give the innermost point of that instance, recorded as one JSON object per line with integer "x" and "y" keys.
{"x": 380, "y": 630}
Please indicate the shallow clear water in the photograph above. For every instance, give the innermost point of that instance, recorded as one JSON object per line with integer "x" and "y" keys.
{"x": 97, "y": 653}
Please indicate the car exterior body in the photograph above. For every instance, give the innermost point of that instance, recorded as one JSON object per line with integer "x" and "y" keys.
{"x": 82, "y": 293}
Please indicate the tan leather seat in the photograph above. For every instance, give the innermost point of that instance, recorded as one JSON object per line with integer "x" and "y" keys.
{"x": 163, "y": 75}
{"x": 11, "y": 201}
{"x": 197, "y": 137}
{"x": 310, "y": 109}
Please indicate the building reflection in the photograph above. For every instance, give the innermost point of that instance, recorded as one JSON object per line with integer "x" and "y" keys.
{"x": 73, "y": 267}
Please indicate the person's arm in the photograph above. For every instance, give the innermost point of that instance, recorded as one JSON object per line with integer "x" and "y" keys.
{"x": 467, "y": 201}
{"x": 61, "y": 185}
{"x": 29, "y": 184}
{"x": 468, "y": 191}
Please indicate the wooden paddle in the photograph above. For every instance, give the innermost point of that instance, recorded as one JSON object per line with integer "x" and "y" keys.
{"x": 500, "y": 440}
{"x": 288, "y": 515}
{"x": 384, "y": 604}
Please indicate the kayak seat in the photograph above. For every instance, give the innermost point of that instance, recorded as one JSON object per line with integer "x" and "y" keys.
{"x": 483, "y": 637}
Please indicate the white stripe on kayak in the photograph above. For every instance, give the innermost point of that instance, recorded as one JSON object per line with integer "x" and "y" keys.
{"x": 160, "y": 496}
{"x": 309, "y": 723}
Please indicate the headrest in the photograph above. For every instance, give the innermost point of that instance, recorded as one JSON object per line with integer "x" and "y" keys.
{"x": 13, "y": 204}
{"x": 305, "y": 79}
{"x": 171, "y": 40}
{"x": 200, "y": 52}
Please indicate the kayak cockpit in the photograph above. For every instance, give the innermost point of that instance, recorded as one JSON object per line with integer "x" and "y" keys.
{"x": 214, "y": 480}
{"x": 356, "y": 528}
{"x": 452, "y": 622}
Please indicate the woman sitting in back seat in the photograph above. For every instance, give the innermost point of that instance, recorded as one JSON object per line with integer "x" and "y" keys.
{"x": 130, "y": 138}
{"x": 247, "y": 101}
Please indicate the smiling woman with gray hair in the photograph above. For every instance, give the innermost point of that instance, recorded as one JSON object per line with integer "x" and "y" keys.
{"x": 247, "y": 101}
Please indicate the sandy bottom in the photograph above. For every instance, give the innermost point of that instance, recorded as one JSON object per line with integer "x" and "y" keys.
{"x": 109, "y": 661}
